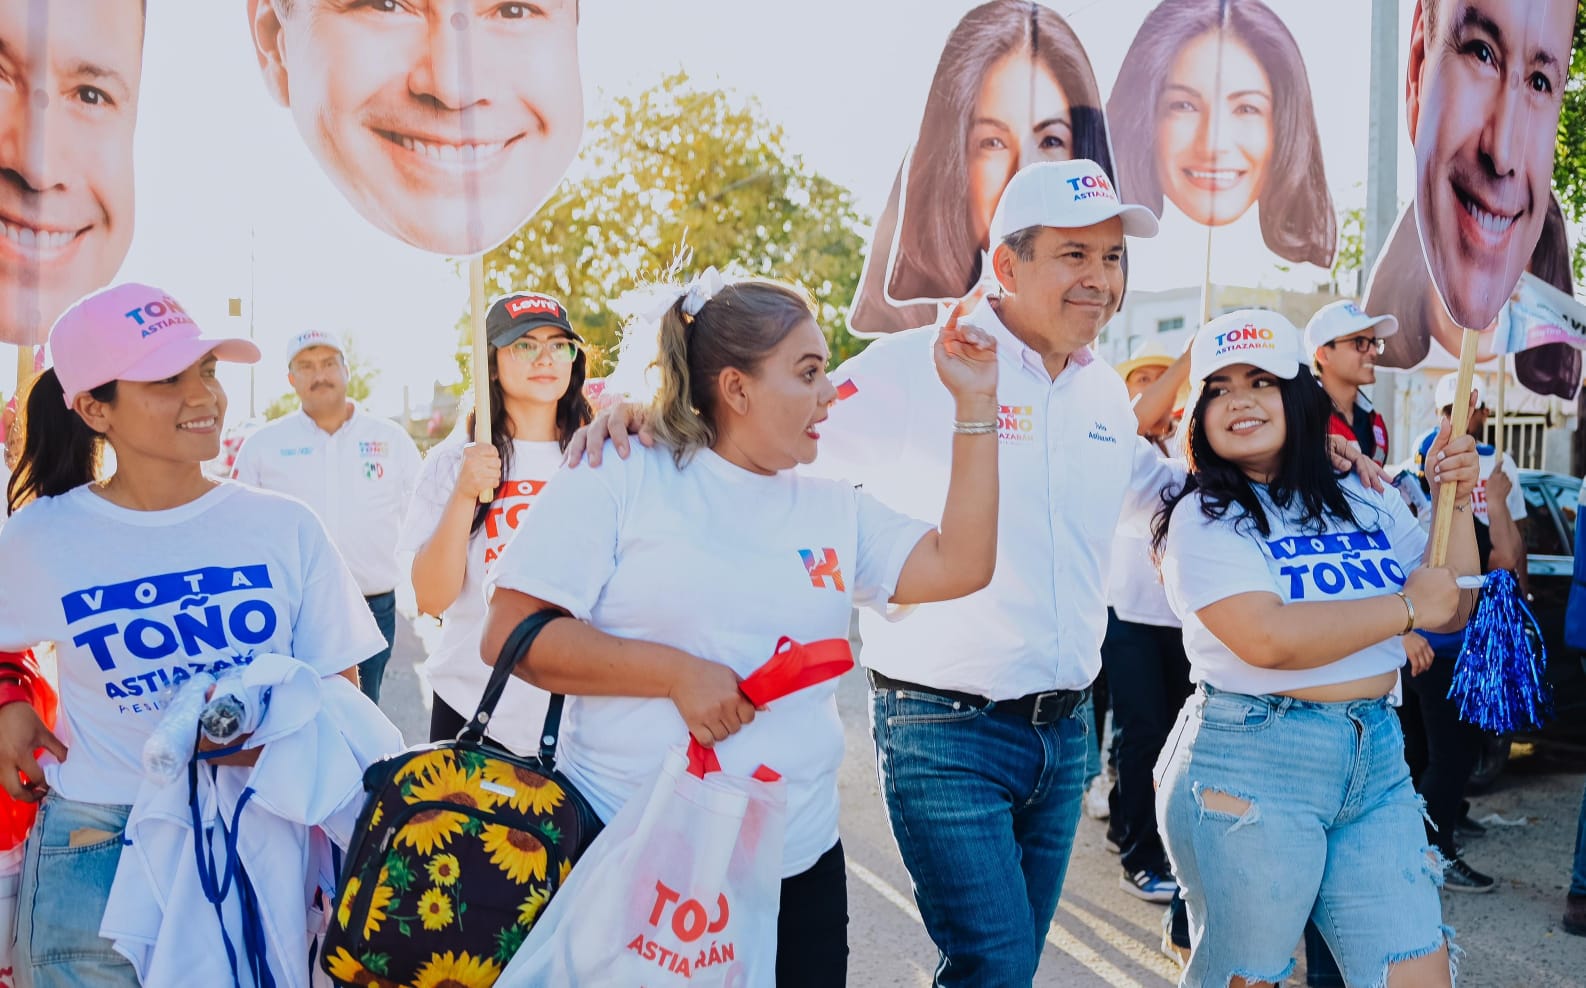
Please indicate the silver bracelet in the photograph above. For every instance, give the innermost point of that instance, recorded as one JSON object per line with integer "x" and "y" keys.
{"x": 974, "y": 428}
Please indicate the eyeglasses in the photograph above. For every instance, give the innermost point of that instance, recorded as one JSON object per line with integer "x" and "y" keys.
{"x": 1362, "y": 344}
{"x": 528, "y": 349}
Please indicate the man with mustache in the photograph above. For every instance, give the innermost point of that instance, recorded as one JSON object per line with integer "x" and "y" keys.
{"x": 1485, "y": 86}
{"x": 977, "y": 704}
{"x": 444, "y": 124}
{"x": 355, "y": 470}
{"x": 68, "y": 106}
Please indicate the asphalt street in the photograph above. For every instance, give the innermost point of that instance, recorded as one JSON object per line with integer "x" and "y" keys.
{"x": 1103, "y": 936}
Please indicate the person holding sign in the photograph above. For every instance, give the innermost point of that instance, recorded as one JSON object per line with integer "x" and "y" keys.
{"x": 140, "y": 580}
{"x": 537, "y": 364}
{"x": 685, "y": 563}
{"x": 1287, "y": 763}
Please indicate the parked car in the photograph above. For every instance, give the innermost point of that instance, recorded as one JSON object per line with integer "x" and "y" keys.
{"x": 1550, "y": 505}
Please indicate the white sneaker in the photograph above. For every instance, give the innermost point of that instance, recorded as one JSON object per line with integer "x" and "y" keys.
{"x": 1096, "y": 806}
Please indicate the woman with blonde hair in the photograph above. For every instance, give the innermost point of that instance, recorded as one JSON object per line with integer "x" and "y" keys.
{"x": 683, "y": 565}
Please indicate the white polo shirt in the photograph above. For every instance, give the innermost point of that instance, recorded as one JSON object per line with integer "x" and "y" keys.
{"x": 357, "y": 479}
{"x": 1070, "y": 459}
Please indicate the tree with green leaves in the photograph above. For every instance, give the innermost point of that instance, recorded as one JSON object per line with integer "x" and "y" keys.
{"x": 676, "y": 171}
{"x": 360, "y": 379}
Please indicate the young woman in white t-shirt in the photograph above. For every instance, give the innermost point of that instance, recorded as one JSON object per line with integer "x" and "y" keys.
{"x": 537, "y": 368}
{"x": 1283, "y": 791}
{"x": 685, "y": 563}
{"x": 140, "y": 579}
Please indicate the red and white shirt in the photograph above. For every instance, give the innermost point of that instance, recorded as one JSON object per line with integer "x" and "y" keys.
{"x": 454, "y": 670}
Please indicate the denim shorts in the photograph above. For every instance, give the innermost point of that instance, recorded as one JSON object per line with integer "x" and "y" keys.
{"x": 63, "y": 896}
{"x": 1275, "y": 811}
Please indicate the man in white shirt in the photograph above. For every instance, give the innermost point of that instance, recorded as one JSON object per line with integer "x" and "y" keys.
{"x": 981, "y": 758}
{"x": 355, "y": 470}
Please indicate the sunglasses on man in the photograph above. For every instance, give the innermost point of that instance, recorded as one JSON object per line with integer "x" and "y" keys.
{"x": 1362, "y": 344}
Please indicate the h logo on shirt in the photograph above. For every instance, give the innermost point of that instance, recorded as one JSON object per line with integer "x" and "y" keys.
{"x": 821, "y": 570}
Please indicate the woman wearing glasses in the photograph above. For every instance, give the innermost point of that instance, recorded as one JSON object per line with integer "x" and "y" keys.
{"x": 537, "y": 368}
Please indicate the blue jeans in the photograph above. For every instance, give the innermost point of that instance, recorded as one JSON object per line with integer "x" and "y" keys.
{"x": 1275, "y": 811}
{"x": 983, "y": 807}
{"x": 1577, "y": 881}
{"x": 371, "y": 671}
{"x": 62, "y": 899}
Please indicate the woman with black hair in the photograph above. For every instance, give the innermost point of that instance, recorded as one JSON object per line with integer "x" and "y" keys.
{"x": 142, "y": 577}
{"x": 1212, "y": 110}
{"x": 1283, "y": 791}
{"x": 1012, "y": 76}
{"x": 537, "y": 367}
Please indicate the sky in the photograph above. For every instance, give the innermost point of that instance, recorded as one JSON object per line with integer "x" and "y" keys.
{"x": 231, "y": 204}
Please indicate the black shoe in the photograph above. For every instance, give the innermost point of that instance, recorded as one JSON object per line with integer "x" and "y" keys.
{"x": 1575, "y": 915}
{"x": 1461, "y": 877}
{"x": 1466, "y": 827}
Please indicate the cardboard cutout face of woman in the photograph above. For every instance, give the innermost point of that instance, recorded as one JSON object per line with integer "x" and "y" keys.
{"x": 1212, "y": 111}
{"x": 445, "y": 125}
{"x": 1013, "y": 87}
{"x": 1484, "y": 90}
{"x": 67, "y": 113}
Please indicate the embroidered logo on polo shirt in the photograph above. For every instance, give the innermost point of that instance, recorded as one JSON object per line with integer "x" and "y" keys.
{"x": 822, "y": 568}
{"x": 373, "y": 447}
{"x": 373, "y": 471}
{"x": 1016, "y": 423}
{"x": 1100, "y": 433}
{"x": 297, "y": 451}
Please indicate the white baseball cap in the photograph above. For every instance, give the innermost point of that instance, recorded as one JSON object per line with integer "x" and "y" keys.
{"x": 312, "y": 338}
{"x": 1443, "y": 395}
{"x": 1339, "y": 319}
{"x": 1246, "y": 336}
{"x": 1068, "y": 195}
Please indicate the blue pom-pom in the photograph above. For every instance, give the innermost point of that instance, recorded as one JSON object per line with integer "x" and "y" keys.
{"x": 1500, "y": 681}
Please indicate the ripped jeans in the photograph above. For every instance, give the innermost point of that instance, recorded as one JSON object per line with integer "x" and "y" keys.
{"x": 1275, "y": 810}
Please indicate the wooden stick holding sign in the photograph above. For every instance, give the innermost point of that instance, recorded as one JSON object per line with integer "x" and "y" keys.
{"x": 1497, "y": 414}
{"x": 1443, "y": 520}
{"x": 479, "y": 358}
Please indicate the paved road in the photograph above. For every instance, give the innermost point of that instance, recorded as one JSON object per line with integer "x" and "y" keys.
{"x": 1101, "y": 936}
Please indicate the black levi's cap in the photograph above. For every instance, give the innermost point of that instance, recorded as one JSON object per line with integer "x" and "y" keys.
{"x": 511, "y": 316}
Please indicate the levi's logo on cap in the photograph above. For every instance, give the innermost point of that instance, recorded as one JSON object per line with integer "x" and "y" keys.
{"x": 1246, "y": 337}
{"x": 153, "y": 316}
{"x": 524, "y": 304}
{"x": 1094, "y": 186}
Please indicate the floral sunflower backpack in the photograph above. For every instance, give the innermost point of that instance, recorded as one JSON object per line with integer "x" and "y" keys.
{"x": 457, "y": 850}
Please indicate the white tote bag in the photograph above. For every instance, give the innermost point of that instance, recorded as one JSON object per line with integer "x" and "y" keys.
{"x": 681, "y": 889}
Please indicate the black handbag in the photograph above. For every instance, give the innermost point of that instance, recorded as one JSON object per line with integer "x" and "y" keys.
{"x": 459, "y": 847}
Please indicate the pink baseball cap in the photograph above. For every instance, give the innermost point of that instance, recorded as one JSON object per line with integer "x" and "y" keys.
{"x": 131, "y": 332}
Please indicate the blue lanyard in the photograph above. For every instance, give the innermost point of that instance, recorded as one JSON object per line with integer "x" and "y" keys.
{"x": 216, "y": 887}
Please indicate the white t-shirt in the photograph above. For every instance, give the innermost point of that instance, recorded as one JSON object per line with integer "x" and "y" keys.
{"x": 357, "y": 479}
{"x": 1206, "y": 560}
{"x": 138, "y": 600}
{"x": 1134, "y": 587}
{"x": 720, "y": 563}
{"x": 1069, "y": 461}
{"x": 454, "y": 669}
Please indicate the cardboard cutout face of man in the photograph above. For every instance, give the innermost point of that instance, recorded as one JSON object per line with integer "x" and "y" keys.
{"x": 68, "y": 107}
{"x": 445, "y": 123}
{"x": 1485, "y": 86}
